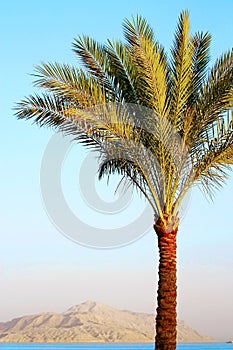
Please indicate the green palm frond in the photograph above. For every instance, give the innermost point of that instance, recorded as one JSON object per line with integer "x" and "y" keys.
{"x": 201, "y": 57}
{"x": 131, "y": 176}
{"x": 213, "y": 159}
{"x": 216, "y": 95}
{"x": 61, "y": 80}
{"x": 181, "y": 69}
{"x": 46, "y": 110}
{"x": 215, "y": 98}
{"x": 93, "y": 56}
{"x": 52, "y": 111}
{"x": 134, "y": 161}
{"x": 123, "y": 70}
{"x": 150, "y": 60}
{"x": 200, "y": 60}
{"x": 139, "y": 27}
{"x": 73, "y": 84}
{"x": 212, "y": 176}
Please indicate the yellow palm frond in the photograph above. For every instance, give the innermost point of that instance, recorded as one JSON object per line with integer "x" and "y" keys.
{"x": 150, "y": 60}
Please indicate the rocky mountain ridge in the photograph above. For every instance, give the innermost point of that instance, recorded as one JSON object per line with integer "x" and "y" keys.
{"x": 89, "y": 322}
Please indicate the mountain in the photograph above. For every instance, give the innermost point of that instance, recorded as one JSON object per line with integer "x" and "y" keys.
{"x": 89, "y": 322}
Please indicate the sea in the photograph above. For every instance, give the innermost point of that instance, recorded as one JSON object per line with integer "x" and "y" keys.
{"x": 109, "y": 346}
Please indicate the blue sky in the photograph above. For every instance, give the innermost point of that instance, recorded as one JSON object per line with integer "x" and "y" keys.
{"x": 40, "y": 269}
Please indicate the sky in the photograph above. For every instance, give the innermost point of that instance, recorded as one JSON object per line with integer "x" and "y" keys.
{"x": 42, "y": 269}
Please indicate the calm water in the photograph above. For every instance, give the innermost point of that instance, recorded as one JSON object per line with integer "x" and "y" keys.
{"x": 107, "y": 346}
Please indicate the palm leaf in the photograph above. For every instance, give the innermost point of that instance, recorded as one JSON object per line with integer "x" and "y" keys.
{"x": 74, "y": 85}
{"x": 46, "y": 110}
{"x": 181, "y": 70}
{"x": 122, "y": 70}
{"x": 150, "y": 60}
{"x": 130, "y": 173}
{"x": 216, "y": 95}
{"x": 93, "y": 57}
{"x": 134, "y": 29}
{"x": 213, "y": 160}
{"x": 201, "y": 57}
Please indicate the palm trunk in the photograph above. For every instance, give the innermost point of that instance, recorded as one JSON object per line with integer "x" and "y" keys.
{"x": 166, "y": 311}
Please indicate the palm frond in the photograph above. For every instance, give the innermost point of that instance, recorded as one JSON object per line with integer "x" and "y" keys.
{"x": 201, "y": 57}
{"x": 131, "y": 176}
{"x": 151, "y": 63}
{"x": 214, "y": 100}
{"x": 93, "y": 56}
{"x": 51, "y": 111}
{"x": 134, "y": 29}
{"x": 216, "y": 95}
{"x": 134, "y": 161}
{"x": 70, "y": 83}
{"x": 122, "y": 70}
{"x": 61, "y": 79}
{"x": 181, "y": 69}
{"x": 213, "y": 161}
{"x": 46, "y": 110}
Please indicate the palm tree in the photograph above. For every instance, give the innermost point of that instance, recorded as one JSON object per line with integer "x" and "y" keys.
{"x": 162, "y": 122}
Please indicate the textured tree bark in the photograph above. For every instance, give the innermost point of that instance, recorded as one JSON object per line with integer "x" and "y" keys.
{"x": 167, "y": 291}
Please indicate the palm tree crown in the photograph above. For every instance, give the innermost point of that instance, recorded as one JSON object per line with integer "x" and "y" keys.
{"x": 161, "y": 121}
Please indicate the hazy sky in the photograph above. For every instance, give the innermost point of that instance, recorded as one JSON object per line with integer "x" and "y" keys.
{"x": 42, "y": 270}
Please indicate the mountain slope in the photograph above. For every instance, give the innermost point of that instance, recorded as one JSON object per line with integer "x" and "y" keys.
{"x": 89, "y": 322}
